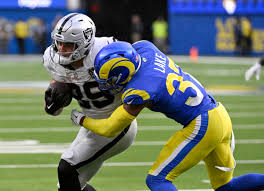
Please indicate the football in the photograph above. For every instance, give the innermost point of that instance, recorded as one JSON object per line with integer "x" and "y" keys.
{"x": 63, "y": 92}
{"x": 61, "y": 86}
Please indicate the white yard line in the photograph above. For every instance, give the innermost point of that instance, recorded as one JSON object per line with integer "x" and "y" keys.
{"x": 140, "y": 128}
{"x": 17, "y": 59}
{"x": 238, "y": 141}
{"x": 24, "y": 84}
{"x": 232, "y": 114}
{"x": 115, "y": 164}
{"x": 34, "y": 147}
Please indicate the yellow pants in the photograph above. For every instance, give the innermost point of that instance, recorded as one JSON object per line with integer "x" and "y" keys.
{"x": 206, "y": 138}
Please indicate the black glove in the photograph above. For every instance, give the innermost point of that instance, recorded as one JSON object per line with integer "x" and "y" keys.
{"x": 56, "y": 100}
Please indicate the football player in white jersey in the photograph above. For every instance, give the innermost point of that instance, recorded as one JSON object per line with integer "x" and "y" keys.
{"x": 70, "y": 59}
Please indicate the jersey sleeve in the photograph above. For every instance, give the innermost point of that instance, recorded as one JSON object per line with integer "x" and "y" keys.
{"x": 135, "y": 96}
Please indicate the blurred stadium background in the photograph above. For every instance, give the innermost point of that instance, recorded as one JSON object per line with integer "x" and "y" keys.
{"x": 202, "y": 38}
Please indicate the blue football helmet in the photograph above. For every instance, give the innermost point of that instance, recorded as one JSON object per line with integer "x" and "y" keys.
{"x": 115, "y": 64}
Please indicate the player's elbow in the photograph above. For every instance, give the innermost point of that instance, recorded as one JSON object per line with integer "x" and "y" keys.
{"x": 112, "y": 134}
{"x": 108, "y": 131}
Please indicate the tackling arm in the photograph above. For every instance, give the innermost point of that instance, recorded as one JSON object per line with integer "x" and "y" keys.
{"x": 119, "y": 120}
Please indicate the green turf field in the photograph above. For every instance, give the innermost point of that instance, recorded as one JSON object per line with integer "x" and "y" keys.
{"x": 31, "y": 141}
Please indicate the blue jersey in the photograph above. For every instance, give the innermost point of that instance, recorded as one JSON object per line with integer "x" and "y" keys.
{"x": 173, "y": 92}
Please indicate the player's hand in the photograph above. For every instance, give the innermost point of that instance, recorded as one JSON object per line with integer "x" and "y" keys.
{"x": 51, "y": 106}
{"x": 56, "y": 100}
{"x": 76, "y": 117}
{"x": 59, "y": 98}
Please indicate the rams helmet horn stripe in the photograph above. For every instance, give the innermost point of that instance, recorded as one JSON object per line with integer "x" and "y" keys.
{"x": 114, "y": 63}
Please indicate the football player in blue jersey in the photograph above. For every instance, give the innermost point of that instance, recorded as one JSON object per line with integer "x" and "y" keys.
{"x": 148, "y": 78}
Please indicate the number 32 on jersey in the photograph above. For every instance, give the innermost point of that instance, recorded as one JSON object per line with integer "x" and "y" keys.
{"x": 191, "y": 101}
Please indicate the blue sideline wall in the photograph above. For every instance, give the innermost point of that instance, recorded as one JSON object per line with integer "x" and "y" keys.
{"x": 210, "y": 28}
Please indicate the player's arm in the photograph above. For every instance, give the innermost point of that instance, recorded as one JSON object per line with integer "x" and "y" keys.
{"x": 118, "y": 121}
{"x": 56, "y": 98}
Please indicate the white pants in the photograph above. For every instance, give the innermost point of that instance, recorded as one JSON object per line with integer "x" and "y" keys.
{"x": 88, "y": 151}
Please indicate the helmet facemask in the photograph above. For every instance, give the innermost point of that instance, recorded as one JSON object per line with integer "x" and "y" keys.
{"x": 66, "y": 54}
{"x": 111, "y": 85}
{"x": 67, "y": 57}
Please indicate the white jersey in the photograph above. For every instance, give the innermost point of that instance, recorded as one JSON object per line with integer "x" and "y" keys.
{"x": 94, "y": 103}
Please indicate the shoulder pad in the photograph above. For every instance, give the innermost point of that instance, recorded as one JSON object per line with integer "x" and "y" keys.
{"x": 142, "y": 43}
{"x": 99, "y": 43}
{"x": 134, "y": 96}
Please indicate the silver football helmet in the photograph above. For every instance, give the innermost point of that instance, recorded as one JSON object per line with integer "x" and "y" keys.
{"x": 74, "y": 28}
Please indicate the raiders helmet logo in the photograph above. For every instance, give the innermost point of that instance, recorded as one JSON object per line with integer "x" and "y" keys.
{"x": 88, "y": 33}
